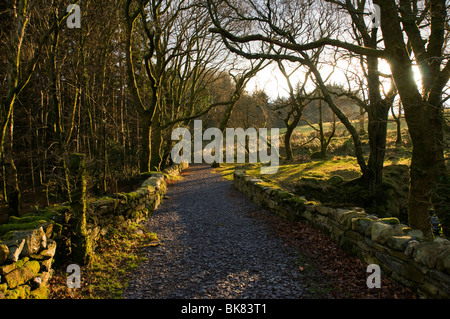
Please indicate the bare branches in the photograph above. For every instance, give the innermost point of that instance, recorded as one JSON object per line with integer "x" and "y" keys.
{"x": 275, "y": 36}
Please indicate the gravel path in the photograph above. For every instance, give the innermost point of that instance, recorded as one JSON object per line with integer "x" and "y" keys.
{"x": 212, "y": 248}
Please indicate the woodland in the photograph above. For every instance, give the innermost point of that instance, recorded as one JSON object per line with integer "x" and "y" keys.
{"x": 362, "y": 80}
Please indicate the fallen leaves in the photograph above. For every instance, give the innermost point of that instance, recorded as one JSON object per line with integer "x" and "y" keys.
{"x": 333, "y": 266}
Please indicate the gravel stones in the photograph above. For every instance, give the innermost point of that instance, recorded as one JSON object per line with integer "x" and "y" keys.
{"x": 211, "y": 247}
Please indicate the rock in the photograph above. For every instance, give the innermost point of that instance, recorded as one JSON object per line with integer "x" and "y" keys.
{"x": 426, "y": 253}
{"x": 3, "y": 288}
{"x": 380, "y": 232}
{"x": 46, "y": 264}
{"x": 35, "y": 239}
{"x": 335, "y": 180}
{"x": 404, "y": 229}
{"x": 411, "y": 272}
{"x": 119, "y": 220}
{"x": 36, "y": 282}
{"x": 443, "y": 261}
{"x": 139, "y": 232}
{"x": 4, "y": 269}
{"x": 4, "y": 253}
{"x": 21, "y": 275}
{"x": 15, "y": 249}
{"x": 416, "y": 234}
{"x": 45, "y": 276}
{"x": 360, "y": 224}
{"x": 51, "y": 249}
{"x": 40, "y": 293}
{"x": 344, "y": 217}
{"x": 411, "y": 247}
{"x": 398, "y": 242}
{"x": 94, "y": 233}
{"x": 389, "y": 220}
{"x": 21, "y": 292}
{"x": 441, "y": 240}
{"x": 104, "y": 231}
{"x": 323, "y": 210}
{"x": 48, "y": 229}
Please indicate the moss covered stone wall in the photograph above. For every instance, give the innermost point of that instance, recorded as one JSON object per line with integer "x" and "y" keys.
{"x": 400, "y": 251}
{"x": 32, "y": 244}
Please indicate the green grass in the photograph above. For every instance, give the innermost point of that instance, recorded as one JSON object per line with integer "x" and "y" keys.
{"x": 333, "y": 180}
{"x": 341, "y": 160}
{"x": 306, "y": 129}
{"x": 106, "y": 277}
{"x": 325, "y": 180}
{"x": 343, "y": 163}
{"x": 118, "y": 256}
{"x": 344, "y": 166}
{"x": 226, "y": 170}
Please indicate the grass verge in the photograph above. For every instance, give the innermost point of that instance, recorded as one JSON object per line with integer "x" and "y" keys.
{"x": 106, "y": 277}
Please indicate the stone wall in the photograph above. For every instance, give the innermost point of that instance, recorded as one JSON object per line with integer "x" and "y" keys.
{"x": 400, "y": 251}
{"x": 30, "y": 245}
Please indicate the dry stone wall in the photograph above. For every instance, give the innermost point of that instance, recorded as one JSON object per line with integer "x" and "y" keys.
{"x": 400, "y": 251}
{"x": 30, "y": 245}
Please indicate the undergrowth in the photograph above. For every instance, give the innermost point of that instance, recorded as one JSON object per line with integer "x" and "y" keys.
{"x": 106, "y": 277}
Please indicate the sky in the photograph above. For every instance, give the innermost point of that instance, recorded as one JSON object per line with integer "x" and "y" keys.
{"x": 274, "y": 84}
{"x": 271, "y": 81}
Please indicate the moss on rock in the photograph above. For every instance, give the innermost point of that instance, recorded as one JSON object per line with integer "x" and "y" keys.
{"x": 41, "y": 292}
{"x": 297, "y": 201}
{"x": 389, "y": 220}
{"x": 360, "y": 224}
{"x": 21, "y": 275}
{"x": 4, "y": 229}
{"x": 21, "y": 292}
{"x": 3, "y": 288}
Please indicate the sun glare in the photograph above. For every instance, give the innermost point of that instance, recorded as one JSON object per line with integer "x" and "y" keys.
{"x": 272, "y": 81}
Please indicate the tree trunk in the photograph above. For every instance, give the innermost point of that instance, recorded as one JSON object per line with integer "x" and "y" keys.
{"x": 13, "y": 59}
{"x": 146, "y": 114}
{"x": 423, "y": 174}
{"x": 146, "y": 133}
{"x": 323, "y": 143}
{"x": 80, "y": 241}
{"x": 361, "y": 130}
{"x": 441, "y": 202}
{"x": 378, "y": 113}
{"x": 377, "y": 129}
{"x": 105, "y": 161}
{"x": 398, "y": 139}
{"x": 287, "y": 142}
{"x": 398, "y": 122}
{"x": 12, "y": 183}
{"x": 227, "y": 114}
{"x": 423, "y": 124}
{"x": 156, "y": 141}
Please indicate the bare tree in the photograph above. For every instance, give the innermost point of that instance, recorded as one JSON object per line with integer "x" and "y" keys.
{"x": 290, "y": 111}
{"x": 180, "y": 58}
{"x": 282, "y": 36}
{"x": 20, "y": 67}
{"x": 240, "y": 81}
{"x": 424, "y": 25}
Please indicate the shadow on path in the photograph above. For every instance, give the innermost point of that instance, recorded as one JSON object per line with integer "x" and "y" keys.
{"x": 212, "y": 248}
